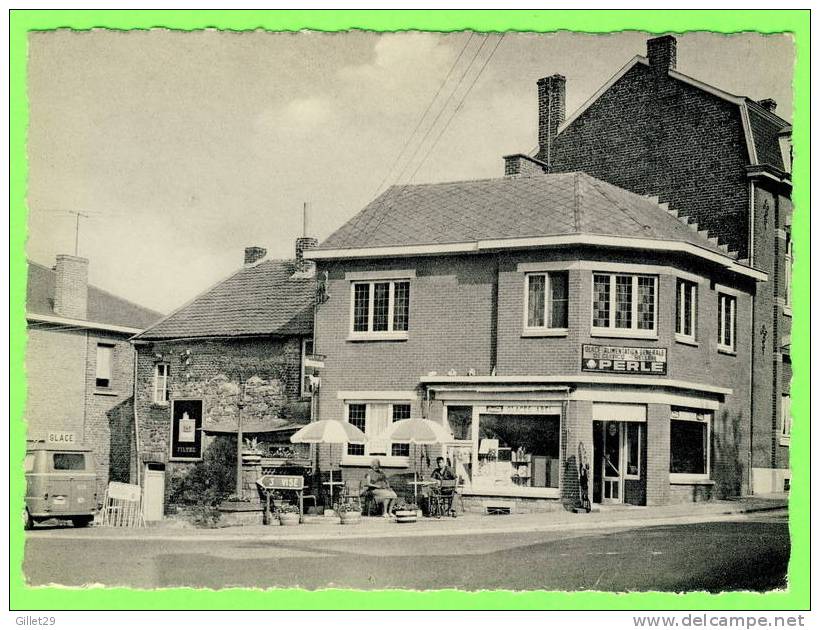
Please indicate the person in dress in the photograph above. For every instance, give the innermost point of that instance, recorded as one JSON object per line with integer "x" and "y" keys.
{"x": 376, "y": 482}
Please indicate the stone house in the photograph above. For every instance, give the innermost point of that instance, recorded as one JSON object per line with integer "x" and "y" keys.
{"x": 723, "y": 163}
{"x": 80, "y": 365}
{"x": 544, "y": 320}
{"x": 238, "y": 348}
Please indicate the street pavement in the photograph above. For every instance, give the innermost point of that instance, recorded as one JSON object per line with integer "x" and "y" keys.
{"x": 740, "y": 551}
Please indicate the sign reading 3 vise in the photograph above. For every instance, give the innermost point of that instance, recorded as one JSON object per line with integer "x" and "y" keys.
{"x": 623, "y": 359}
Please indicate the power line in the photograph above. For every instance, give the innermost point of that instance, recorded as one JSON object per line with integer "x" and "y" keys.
{"x": 421, "y": 119}
{"x": 458, "y": 107}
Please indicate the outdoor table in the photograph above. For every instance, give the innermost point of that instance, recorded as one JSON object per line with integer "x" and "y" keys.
{"x": 423, "y": 483}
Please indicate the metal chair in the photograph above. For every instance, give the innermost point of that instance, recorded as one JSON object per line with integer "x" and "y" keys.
{"x": 441, "y": 498}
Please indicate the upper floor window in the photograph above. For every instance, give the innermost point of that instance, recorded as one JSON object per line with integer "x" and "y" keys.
{"x": 785, "y": 419}
{"x": 546, "y": 301}
{"x": 727, "y": 314}
{"x": 162, "y": 372}
{"x": 686, "y": 310}
{"x": 787, "y": 270}
{"x": 105, "y": 365}
{"x": 381, "y": 308}
{"x": 624, "y": 305}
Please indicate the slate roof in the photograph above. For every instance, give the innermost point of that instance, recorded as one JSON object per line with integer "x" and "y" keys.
{"x": 103, "y": 307}
{"x": 264, "y": 299}
{"x": 766, "y": 128}
{"x": 511, "y": 207}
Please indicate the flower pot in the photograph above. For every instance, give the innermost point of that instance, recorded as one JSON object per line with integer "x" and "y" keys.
{"x": 405, "y": 516}
{"x": 288, "y": 519}
{"x": 350, "y": 518}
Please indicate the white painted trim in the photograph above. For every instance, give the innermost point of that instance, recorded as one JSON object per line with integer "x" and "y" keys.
{"x": 385, "y": 461}
{"x": 611, "y": 330}
{"x": 80, "y": 323}
{"x": 391, "y": 274}
{"x": 682, "y": 479}
{"x": 628, "y": 268}
{"x": 544, "y": 332}
{"x": 612, "y": 80}
{"x": 375, "y": 395}
{"x": 722, "y": 288}
{"x": 780, "y": 233}
{"x": 618, "y": 412}
{"x": 546, "y": 266}
{"x": 578, "y": 378}
{"x": 747, "y": 132}
{"x": 545, "y": 241}
{"x": 687, "y": 341}
{"x": 399, "y": 335}
{"x": 635, "y": 395}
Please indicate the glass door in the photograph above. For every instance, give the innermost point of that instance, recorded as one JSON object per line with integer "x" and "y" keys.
{"x": 611, "y": 464}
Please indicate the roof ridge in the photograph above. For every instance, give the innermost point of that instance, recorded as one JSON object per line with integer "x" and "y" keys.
{"x": 482, "y": 179}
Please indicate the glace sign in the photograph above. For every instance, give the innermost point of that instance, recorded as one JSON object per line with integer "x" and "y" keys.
{"x": 623, "y": 359}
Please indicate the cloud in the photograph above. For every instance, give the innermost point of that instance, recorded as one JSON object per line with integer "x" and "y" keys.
{"x": 299, "y": 117}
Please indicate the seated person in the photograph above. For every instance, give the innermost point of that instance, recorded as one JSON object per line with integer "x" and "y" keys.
{"x": 376, "y": 482}
{"x": 441, "y": 473}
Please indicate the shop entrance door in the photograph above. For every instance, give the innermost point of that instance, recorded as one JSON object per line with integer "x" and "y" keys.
{"x": 608, "y": 471}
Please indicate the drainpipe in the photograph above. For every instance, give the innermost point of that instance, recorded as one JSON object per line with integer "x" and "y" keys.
{"x": 136, "y": 418}
{"x": 752, "y": 396}
{"x": 494, "y": 319}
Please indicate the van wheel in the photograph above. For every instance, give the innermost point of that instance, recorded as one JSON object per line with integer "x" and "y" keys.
{"x": 82, "y": 521}
{"x": 28, "y": 522}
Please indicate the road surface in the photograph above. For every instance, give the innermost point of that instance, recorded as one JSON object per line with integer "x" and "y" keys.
{"x": 746, "y": 552}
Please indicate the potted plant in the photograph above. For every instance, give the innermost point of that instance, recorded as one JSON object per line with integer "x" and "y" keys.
{"x": 405, "y": 512}
{"x": 251, "y": 453}
{"x": 288, "y": 515}
{"x": 350, "y": 513}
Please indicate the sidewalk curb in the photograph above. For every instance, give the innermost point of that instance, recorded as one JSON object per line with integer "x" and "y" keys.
{"x": 235, "y": 534}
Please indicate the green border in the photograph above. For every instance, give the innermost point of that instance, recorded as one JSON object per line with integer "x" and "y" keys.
{"x": 657, "y": 21}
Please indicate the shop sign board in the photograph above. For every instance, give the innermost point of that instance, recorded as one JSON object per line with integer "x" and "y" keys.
{"x": 61, "y": 437}
{"x": 623, "y": 359}
{"x": 524, "y": 409}
{"x": 186, "y": 429}
{"x": 281, "y": 482}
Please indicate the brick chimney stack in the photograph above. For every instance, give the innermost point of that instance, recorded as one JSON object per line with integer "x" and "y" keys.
{"x": 254, "y": 254}
{"x": 303, "y": 243}
{"x": 662, "y": 53}
{"x": 71, "y": 287}
{"x": 769, "y": 104}
{"x": 552, "y": 111}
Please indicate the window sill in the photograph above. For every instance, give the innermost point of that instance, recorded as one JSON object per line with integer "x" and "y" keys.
{"x": 727, "y": 350}
{"x": 105, "y": 392}
{"x": 507, "y": 491}
{"x": 624, "y": 334}
{"x": 384, "y": 461}
{"x": 160, "y": 405}
{"x": 687, "y": 341}
{"x": 378, "y": 336}
{"x": 677, "y": 479}
{"x": 785, "y": 441}
{"x": 545, "y": 332}
{"x": 787, "y": 311}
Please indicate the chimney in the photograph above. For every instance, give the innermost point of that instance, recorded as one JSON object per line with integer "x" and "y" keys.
{"x": 769, "y": 104}
{"x": 303, "y": 243}
{"x": 71, "y": 287}
{"x": 662, "y": 53}
{"x": 551, "y": 113}
{"x": 254, "y": 254}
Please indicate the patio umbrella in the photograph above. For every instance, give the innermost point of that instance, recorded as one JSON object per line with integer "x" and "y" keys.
{"x": 328, "y": 432}
{"x": 416, "y": 431}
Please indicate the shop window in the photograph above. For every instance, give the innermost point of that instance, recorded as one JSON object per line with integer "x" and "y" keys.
{"x": 374, "y": 419}
{"x": 727, "y": 313}
{"x": 517, "y": 451}
{"x": 546, "y": 300}
{"x": 381, "y": 308}
{"x": 689, "y": 444}
{"x": 632, "y": 446}
{"x": 460, "y": 422}
{"x": 624, "y": 305}
{"x": 785, "y": 420}
{"x": 686, "y": 310}
{"x": 105, "y": 365}
{"x": 162, "y": 372}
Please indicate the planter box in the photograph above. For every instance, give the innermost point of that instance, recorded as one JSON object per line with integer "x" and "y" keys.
{"x": 350, "y": 518}
{"x": 406, "y": 516}
{"x": 288, "y": 519}
{"x": 240, "y": 513}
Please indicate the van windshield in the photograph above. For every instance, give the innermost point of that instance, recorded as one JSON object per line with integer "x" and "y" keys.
{"x": 69, "y": 461}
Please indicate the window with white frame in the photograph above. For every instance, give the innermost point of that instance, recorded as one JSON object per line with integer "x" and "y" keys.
{"x": 689, "y": 443}
{"x": 305, "y": 371}
{"x": 381, "y": 307}
{"x": 624, "y": 304}
{"x": 546, "y": 300}
{"x": 374, "y": 418}
{"x": 686, "y": 309}
{"x": 162, "y": 373}
{"x": 785, "y": 419}
{"x": 727, "y": 314}
{"x": 105, "y": 365}
{"x": 787, "y": 270}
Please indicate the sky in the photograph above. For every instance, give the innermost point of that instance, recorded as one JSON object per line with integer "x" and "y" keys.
{"x": 183, "y": 148}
